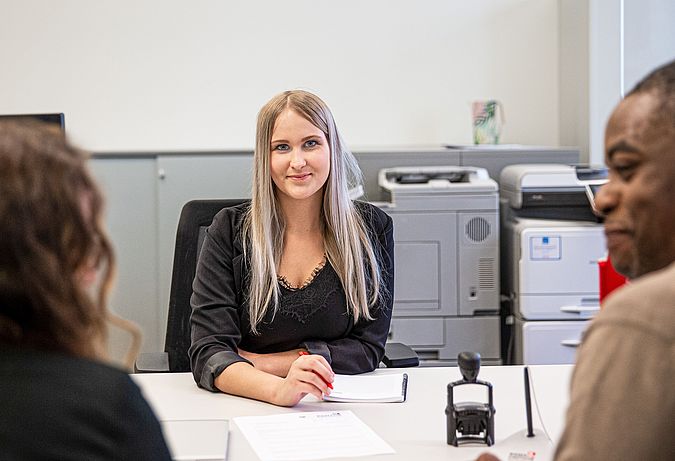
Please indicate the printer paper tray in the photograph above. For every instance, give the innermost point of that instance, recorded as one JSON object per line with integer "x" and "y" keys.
{"x": 558, "y": 306}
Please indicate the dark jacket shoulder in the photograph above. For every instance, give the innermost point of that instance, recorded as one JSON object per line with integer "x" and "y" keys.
{"x": 225, "y": 229}
{"x": 94, "y": 411}
{"x": 373, "y": 217}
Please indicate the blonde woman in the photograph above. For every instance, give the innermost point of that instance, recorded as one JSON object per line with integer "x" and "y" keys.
{"x": 58, "y": 398}
{"x": 297, "y": 284}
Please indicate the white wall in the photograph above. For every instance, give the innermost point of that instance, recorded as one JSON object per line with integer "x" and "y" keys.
{"x": 649, "y": 38}
{"x": 627, "y": 40}
{"x": 606, "y": 46}
{"x": 176, "y": 75}
{"x": 605, "y": 55}
{"x": 573, "y": 27}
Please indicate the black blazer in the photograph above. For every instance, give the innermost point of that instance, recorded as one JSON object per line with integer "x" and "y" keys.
{"x": 54, "y": 406}
{"x": 315, "y": 317}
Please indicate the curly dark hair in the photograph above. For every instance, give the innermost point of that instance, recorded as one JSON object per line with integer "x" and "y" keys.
{"x": 50, "y": 232}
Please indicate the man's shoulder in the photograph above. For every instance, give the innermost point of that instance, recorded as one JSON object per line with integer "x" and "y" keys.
{"x": 648, "y": 301}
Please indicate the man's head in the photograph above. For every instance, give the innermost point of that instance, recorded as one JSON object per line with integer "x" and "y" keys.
{"x": 638, "y": 202}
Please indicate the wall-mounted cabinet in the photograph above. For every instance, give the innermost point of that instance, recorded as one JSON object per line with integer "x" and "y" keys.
{"x": 145, "y": 195}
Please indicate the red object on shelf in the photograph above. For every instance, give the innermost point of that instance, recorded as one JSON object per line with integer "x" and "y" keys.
{"x": 610, "y": 279}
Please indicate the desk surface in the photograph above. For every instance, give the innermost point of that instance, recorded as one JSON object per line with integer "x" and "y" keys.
{"x": 416, "y": 429}
{"x": 551, "y": 384}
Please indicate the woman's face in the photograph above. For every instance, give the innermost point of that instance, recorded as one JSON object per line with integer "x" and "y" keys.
{"x": 299, "y": 157}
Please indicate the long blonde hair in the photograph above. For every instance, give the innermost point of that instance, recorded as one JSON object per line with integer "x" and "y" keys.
{"x": 346, "y": 241}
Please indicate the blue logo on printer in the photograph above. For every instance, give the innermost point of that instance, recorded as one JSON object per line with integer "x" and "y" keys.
{"x": 545, "y": 248}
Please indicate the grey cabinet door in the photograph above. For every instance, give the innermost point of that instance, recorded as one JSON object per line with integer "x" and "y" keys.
{"x": 131, "y": 213}
{"x": 181, "y": 179}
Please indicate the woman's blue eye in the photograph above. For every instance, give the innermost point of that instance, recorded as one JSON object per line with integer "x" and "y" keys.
{"x": 281, "y": 147}
{"x": 311, "y": 143}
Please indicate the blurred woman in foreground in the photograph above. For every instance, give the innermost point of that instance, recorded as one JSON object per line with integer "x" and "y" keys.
{"x": 58, "y": 399}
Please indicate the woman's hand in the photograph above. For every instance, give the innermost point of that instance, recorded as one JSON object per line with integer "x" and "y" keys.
{"x": 308, "y": 374}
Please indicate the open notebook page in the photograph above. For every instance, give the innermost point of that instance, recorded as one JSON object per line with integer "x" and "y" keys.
{"x": 369, "y": 388}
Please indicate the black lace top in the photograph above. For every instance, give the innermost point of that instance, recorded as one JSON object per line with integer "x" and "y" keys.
{"x": 318, "y": 292}
{"x": 286, "y": 284}
{"x": 314, "y": 316}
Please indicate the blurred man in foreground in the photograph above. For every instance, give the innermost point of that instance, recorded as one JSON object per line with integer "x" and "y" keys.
{"x": 622, "y": 402}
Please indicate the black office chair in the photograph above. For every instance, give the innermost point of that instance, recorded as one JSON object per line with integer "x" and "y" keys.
{"x": 195, "y": 217}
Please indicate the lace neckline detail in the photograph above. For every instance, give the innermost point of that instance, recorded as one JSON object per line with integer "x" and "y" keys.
{"x": 289, "y": 286}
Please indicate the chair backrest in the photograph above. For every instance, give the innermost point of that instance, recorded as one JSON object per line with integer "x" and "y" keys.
{"x": 195, "y": 217}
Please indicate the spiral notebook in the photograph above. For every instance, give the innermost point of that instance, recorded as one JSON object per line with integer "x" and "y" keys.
{"x": 369, "y": 388}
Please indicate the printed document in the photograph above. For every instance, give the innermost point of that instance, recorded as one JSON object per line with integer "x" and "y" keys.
{"x": 310, "y": 435}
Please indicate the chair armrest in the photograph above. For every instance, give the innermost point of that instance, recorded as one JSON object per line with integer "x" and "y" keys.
{"x": 152, "y": 362}
{"x": 399, "y": 355}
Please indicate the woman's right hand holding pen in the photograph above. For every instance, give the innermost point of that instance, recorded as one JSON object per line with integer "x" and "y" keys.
{"x": 309, "y": 374}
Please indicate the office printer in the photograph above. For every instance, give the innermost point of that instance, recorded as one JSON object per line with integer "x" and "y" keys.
{"x": 550, "y": 191}
{"x": 551, "y": 242}
{"x": 446, "y": 234}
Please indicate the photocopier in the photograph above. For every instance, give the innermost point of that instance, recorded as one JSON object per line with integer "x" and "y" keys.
{"x": 551, "y": 243}
{"x": 446, "y": 235}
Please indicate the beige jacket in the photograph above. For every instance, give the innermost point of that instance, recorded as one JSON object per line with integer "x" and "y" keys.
{"x": 622, "y": 403}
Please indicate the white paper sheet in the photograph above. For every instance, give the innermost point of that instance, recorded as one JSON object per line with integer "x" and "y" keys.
{"x": 310, "y": 435}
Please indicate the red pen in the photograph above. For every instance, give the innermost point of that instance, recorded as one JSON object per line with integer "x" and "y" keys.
{"x": 322, "y": 378}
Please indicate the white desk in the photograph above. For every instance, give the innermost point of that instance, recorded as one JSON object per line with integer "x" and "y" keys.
{"x": 416, "y": 429}
{"x": 551, "y": 384}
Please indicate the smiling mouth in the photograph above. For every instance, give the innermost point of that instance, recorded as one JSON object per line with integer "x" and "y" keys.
{"x": 616, "y": 237}
{"x": 300, "y": 177}
{"x": 609, "y": 230}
